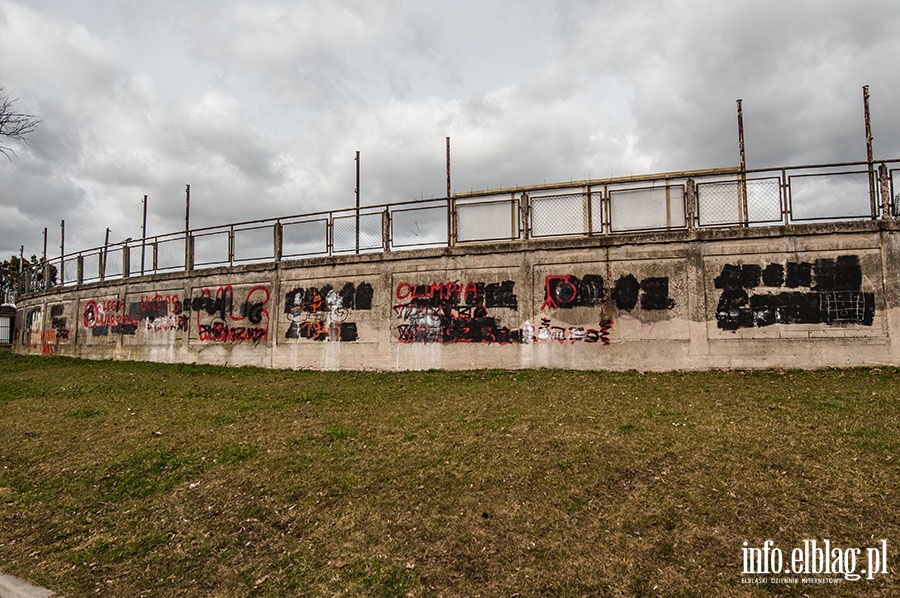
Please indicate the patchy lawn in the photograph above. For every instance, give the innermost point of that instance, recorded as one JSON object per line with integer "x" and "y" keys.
{"x": 134, "y": 479}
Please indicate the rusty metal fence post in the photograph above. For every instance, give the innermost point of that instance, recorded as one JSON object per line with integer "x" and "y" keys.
{"x": 691, "y": 192}
{"x": 524, "y": 217}
{"x": 884, "y": 185}
{"x": 386, "y": 230}
{"x": 452, "y": 222}
{"x": 188, "y": 252}
{"x": 277, "y": 240}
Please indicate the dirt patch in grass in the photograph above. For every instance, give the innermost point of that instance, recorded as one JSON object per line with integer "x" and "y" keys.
{"x": 137, "y": 478}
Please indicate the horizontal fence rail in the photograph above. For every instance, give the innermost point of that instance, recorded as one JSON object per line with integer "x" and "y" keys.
{"x": 726, "y": 197}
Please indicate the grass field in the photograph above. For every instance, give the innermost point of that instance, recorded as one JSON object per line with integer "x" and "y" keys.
{"x": 131, "y": 479}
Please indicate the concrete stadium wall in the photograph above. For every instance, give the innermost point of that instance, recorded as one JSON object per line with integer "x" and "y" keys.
{"x": 801, "y": 296}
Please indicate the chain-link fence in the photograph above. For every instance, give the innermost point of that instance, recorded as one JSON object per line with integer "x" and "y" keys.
{"x": 112, "y": 262}
{"x": 741, "y": 201}
{"x": 137, "y": 259}
{"x": 419, "y": 226}
{"x": 719, "y": 203}
{"x": 345, "y": 238}
{"x": 839, "y": 196}
{"x": 480, "y": 220}
{"x": 211, "y": 249}
{"x": 254, "y": 243}
{"x": 303, "y": 238}
{"x": 676, "y": 201}
{"x": 70, "y": 270}
{"x": 647, "y": 208}
{"x": 168, "y": 254}
{"x": 565, "y": 214}
{"x": 90, "y": 266}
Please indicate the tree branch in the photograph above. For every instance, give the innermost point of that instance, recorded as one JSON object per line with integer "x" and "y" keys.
{"x": 14, "y": 125}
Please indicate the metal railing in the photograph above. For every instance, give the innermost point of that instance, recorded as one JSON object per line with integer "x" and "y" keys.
{"x": 726, "y": 197}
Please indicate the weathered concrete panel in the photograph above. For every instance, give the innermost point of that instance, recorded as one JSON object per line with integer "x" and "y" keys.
{"x": 810, "y": 296}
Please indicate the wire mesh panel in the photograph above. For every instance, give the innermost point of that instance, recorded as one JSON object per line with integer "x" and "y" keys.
{"x": 254, "y": 244}
{"x": 344, "y": 233}
{"x": 559, "y": 215}
{"x": 135, "y": 265}
{"x": 764, "y": 203}
{"x": 487, "y": 221}
{"x": 70, "y": 270}
{"x": 829, "y": 196}
{"x": 169, "y": 254}
{"x": 307, "y": 237}
{"x": 211, "y": 249}
{"x": 649, "y": 208}
{"x": 113, "y": 261}
{"x": 91, "y": 266}
{"x": 719, "y": 203}
{"x": 419, "y": 227}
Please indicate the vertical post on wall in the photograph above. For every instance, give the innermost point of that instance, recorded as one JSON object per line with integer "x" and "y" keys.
{"x": 869, "y": 153}
{"x": 742, "y": 188}
{"x": 144, "y": 236}
{"x": 187, "y": 209}
{"x": 278, "y": 240}
{"x": 356, "y": 192}
{"x": 386, "y": 229}
{"x": 691, "y": 192}
{"x": 188, "y": 257}
{"x": 588, "y": 211}
{"x": 62, "y": 251}
{"x": 524, "y": 216}
{"x": 448, "y": 167}
{"x": 44, "y": 263}
{"x": 884, "y": 184}
{"x": 451, "y": 212}
{"x": 104, "y": 254}
{"x": 20, "y": 290}
{"x": 126, "y": 260}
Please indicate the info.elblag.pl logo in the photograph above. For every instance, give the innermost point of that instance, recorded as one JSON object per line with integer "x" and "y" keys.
{"x": 825, "y": 562}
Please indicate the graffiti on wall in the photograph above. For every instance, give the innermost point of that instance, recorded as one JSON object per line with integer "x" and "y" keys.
{"x": 547, "y": 332}
{"x": 321, "y": 313}
{"x": 106, "y": 316}
{"x": 454, "y": 312}
{"x": 33, "y": 327}
{"x": 161, "y": 313}
{"x": 565, "y": 291}
{"x": 826, "y": 291}
{"x": 220, "y": 314}
{"x": 59, "y": 323}
{"x": 58, "y": 331}
{"x": 224, "y": 316}
{"x": 568, "y": 291}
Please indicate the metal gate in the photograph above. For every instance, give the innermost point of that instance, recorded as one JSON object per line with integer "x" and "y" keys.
{"x": 5, "y": 330}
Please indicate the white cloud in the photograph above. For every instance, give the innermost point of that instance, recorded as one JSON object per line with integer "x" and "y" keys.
{"x": 260, "y": 107}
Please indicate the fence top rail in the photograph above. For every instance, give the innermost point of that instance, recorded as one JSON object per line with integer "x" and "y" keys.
{"x": 821, "y": 167}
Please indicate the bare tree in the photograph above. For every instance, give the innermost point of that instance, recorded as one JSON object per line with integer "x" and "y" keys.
{"x": 14, "y": 125}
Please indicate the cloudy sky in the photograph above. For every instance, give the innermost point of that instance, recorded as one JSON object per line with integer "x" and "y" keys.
{"x": 260, "y": 106}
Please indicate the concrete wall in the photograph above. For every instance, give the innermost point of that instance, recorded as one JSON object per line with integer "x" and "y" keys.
{"x": 800, "y": 296}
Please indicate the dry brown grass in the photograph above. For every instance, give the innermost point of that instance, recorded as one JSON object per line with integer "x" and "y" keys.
{"x": 133, "y": 479}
